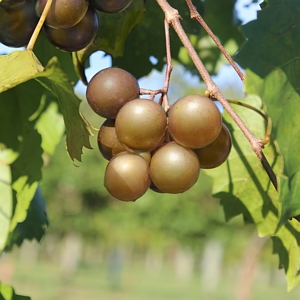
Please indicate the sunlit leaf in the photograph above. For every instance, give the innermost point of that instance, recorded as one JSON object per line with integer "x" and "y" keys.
{"x": 34, "y": 226}
{"x": 18, "y": 67}
{"x": 8, "y": 293}
{"x": 77, "y": 128}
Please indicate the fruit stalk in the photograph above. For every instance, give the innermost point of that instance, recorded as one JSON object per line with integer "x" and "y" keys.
{"x": 169, "y": 67}
{"x": 172, "y": 17}
{"x": 39, "y": 26}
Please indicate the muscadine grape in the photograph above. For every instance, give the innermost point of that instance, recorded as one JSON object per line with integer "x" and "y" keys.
{"x": 11, "y": 4}
{"x": 108, "y": 142}
{"x": 109, "y": 90}
{"x": 216, "y": 153}
{"x": 77, "y": 37}
{"x": 127, "y": 176}
{"x": 194, "y": 121}
{"x": 141, "y": 124}
{"x": 17, "y": 25}
{"x": 63, "y": 13}
{"x": 174, "y": 168}
{"x": 110, "y": 6}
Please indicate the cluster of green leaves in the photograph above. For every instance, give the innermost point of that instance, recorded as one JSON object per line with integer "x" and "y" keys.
{"x": 38, "y": 106}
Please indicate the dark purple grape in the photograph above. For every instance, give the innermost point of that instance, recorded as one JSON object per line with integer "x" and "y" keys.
{"x": 216, "y": 153}
{"x": 17, "y": 25}
{"x": 77, "y": 37}
{"x": 108, "y": 142}
{"x": 109, "y": 90}
{"x": 12, "y": 4}
{"x": 110, "y": 6}
{"x": 63, "y": 13}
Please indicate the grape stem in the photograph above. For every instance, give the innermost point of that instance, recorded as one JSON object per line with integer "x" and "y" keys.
{"x": 39, "y": 26}
{"x": 196, "y": 16}
{"x": 172, "y": 17}
{"x": 164, "y": 100}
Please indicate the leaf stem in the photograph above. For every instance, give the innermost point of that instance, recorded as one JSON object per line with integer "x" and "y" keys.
{"x": 266, "y": 139}
{"x": 39, "y": 26}
{"x": 196, "y": 16}
{"x": 172, "y": 17}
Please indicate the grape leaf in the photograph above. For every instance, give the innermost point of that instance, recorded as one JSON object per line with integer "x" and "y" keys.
{"x": 283, "y": 106}
{"x": 286, "y": 243}
{"x": 54, "y": 79}
{"x": 244, "y": 187}
{"x": 77, "y": 128}
{"x": 241, "y": 183}
{"x": 6, "y": 157}
{"x": 18, "y": 67}
{"x": 273, "y": 41}
{"x": 19, "y": 138}
{"x": 112, "y": 34}
{"x": 22, "y": 123}
{"x": 8, "y": 293}
{"x": 148, "y": 40}
{"x": 50, "y": 126}
{"x": 34, "y": 226}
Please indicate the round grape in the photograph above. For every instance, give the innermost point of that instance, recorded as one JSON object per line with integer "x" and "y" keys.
{"x": 127, "y": 176}
{"x": 194, "y": 121}
{"x": 109, "y": 90}
{"x": 141, "y": 124}
{"x": 174, "y": 168}
{"x": 216, "y": 153}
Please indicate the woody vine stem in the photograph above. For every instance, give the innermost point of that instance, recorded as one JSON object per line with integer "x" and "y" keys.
{"x": 173, "y": 18}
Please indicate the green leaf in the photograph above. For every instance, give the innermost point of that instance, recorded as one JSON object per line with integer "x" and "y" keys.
{"x": 241, "y": 183}
{"x": 8, "y": 293}
{"x": 286, "y": 245}
{"x": 283, "y": 106}
{"x": 53, "y": 78}
{"x": 244, "y": 187}
{"x": 21, "y": 153}
{"x": 34, "y": 226}
{"x": 18, "y": 67}
{"x": 50, "y": 126}
{"x": 148, "y": 40}
{"x": 77, "y": 128}
{"x": 273, "y": 41}
{"x": 19, "y": 137}
{"x": 6, "y": 202}
{"x": 112, "y": 34}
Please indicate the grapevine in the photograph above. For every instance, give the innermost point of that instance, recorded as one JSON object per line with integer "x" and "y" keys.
{"x": 147, "y": 141}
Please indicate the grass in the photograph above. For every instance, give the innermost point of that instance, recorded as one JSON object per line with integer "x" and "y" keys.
{"x": 42, "y": 280}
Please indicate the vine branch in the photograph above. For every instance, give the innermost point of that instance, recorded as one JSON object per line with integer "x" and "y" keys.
{"x": 196, "y": 16}
{"x": 172, "y": 17}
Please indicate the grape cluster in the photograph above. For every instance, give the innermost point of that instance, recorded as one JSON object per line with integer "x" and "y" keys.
{"x": 149, "y": 148}
{"x": 70, "y": 25}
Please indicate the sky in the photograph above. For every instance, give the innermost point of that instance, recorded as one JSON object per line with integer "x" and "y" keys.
{"x": 226, "y": 77}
